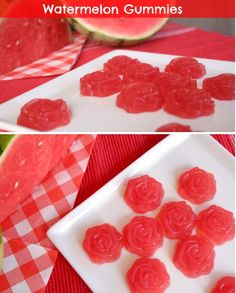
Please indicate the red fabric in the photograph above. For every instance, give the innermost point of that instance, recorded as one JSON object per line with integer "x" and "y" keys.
{"x": 196, "y": 43}
{"x": 111, "y": 154}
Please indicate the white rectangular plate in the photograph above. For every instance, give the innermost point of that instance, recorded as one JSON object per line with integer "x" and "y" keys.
{"x": 91, "y": 114}
{"x": 165, "y": 162}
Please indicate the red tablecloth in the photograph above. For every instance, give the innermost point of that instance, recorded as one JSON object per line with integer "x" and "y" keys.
{"x": 195, "y": 42}
{"x": 111, "y": 154}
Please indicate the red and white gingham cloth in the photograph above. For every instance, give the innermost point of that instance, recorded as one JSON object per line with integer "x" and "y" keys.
{"x": 29, "y": 256}
{"x": 56, "y": 63}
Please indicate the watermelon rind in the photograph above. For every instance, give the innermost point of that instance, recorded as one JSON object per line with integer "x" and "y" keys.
{"x": 103, "y": 37}
{"x": 1, "y": 249}
{"x": 5, "y": 140}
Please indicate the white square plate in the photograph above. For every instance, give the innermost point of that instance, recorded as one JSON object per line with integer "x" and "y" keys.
{"x": 165, "y": 162}
{"x": 91, "y": 114}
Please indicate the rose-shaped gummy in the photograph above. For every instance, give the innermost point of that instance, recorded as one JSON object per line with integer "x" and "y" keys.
{"x": 143, "y": 236}
{"x": 177, "y": 219}
{"x": 194, "y": 256}
{"x": 143, "y": 194}
{"x": 139, "y": 97}
{"x": 44, "y": 114}
{"x": 140, "y": 72}
{"x": 119, "y": 64}
{"x": 148, "y": 276}
{"x": 189, "y": 103}
{"x": 168, "y": 81}
{"x": 103, "y": 243}
{"x": 221, "y": 87}
{"x": 100, "y": 84}
{"x": 187, "y": 66}
{"x": 174, "y": 127}
{"x": 197, "y": 185}
{"x": 224, "y": 285}
{"x": 216, "y": 224}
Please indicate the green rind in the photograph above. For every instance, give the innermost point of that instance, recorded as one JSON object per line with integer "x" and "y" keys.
{"x": 5, "y": 139}
{"x": 108, "y": 39}
{"x": 1, "y": 249}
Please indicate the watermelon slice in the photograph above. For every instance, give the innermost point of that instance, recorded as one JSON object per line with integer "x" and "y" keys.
{"x": 24, "y": 40}
{"x": 118, "y": 31}
{"x": 25, "y": 161}
{"x": 1, "y": 249}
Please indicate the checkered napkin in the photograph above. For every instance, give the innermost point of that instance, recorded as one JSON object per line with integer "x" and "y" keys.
{"x": 56, "y": 63}
{"x": 29, "y": 256}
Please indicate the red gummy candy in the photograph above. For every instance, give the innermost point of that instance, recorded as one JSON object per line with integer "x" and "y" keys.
{"x": 189, "y": 103}
{"x": 221, "y": 87}
{"x": 140, "y": 72}
{"x": 143, "y": 236}
{"x": 100, "y": 84}
{"x": 119, "y": 64}
{"x": 197, "y": 185}
{"x": 148, "y": 276}
{"x": 174, "y": 127}
{"x": 216, "y": 224}
{"x": 143, "y": 194}
{"x": 139, "y": 97}
{"x": 44, "y": 114}
{"x": 224, "y": 285}
{"x": 103, "y": 243}
{"x": 194, "y": 256}
{"x": 186, "y": 66}
{"x": 177, "y": 219}
{"x": 168, "y": 81}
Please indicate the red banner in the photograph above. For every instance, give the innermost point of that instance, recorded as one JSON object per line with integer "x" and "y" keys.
{"x": 121, "y": 8}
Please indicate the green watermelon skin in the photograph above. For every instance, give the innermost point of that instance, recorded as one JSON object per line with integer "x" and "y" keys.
{"x": 118, "y": 31}
{"x": 4, "y": 141}
{"x": 24, "y": 163}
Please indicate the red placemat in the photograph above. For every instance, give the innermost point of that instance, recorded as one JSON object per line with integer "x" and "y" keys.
{"x": 111, "y": 154}
{"x": 173, "y": 39}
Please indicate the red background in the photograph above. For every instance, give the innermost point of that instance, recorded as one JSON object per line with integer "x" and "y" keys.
{"x": 111, "y": 154}
{"x": 191, "y": 8}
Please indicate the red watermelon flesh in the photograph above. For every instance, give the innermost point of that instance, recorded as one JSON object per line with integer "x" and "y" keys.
{"x": 61, "y": 145}
{"x": 23, "y": 40}
{"x": 118, "y": 31}
{"x": 1, "y": 249}
{"x": 24, "y": 164}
